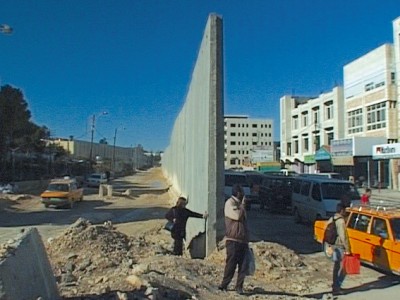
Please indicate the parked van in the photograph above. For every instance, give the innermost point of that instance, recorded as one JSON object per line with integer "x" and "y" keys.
{"x": 315, "y": 198}
{"x": 327, "y": 175}
{"x": 234, "y": 177}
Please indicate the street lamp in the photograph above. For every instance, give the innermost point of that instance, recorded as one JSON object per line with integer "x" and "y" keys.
{"x": 115, "y": 139}
{"x": 92, "y": 129}
{"x": 6, "y": 29}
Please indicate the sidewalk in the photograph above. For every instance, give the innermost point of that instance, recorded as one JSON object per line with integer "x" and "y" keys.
{"x": 383, "y": 194}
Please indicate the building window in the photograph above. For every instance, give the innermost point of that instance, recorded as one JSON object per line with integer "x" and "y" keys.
{"x": 369, "y": 86}
{"x": 233, "y": 133}
{"x": 330, "y": 137}
{"x": 376, "y": 116}
{"x": 254, "y": 143}
{"x": 304, "y": 117}
{"x": 296, "y": 146}
{"x": 233, "y": 161}
{"x": 233, "y": 151}
{"x": 305, "y": 142}
{"x": 254, "y": 126}
{"x": 233, "y": 125}
{"x": 355, "y": 121}
{"x": 289, "y": 149}
{"x": 254, "y": 134}
{"x": 393, "y": 77}
{"x": 295, "y": 120}
{"x": 233, "y": 143}
{"x": 316, "y": 115}
{"x": 328, "y": 110}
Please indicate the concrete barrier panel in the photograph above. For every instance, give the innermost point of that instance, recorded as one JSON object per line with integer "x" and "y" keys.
{"x": 26, "y": 273}
{"x": 194, "y": 159}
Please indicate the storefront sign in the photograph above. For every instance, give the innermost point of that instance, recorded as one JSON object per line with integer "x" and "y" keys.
{"x": 343, "y": 147}
{"x": 322, "y": 154}
{"x": 309, "y": 159}
{"x": 386, "y": 151}
{"x": 342, "y": 161}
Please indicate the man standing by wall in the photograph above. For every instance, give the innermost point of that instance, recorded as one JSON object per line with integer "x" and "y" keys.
{"x": 237, "y": 239}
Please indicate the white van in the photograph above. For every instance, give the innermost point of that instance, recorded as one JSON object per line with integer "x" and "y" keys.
{"x": 327, "y": 175}
{"x": 315, "y": 198}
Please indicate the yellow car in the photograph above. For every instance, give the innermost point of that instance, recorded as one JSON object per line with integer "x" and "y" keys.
{"x": 62, "y": 192}
{"x": 374, "y": 234}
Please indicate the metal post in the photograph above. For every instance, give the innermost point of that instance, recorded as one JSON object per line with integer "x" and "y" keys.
{"x": 91, "y": 139}
{"x": 113, "y": 157}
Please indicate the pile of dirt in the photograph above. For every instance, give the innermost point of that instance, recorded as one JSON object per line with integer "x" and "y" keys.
{"x": 100, "y": 262}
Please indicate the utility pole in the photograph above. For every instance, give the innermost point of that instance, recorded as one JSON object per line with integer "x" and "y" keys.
{"x": 91, "y": 139}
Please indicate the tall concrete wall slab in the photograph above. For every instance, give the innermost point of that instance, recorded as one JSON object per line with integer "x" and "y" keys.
{"x": 194, "y": 160}
{"x": 26, "y": 273}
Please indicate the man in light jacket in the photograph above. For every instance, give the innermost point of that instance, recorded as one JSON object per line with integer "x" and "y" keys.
{"x": 340, "y": 248}
{"x": 237, "y": 239}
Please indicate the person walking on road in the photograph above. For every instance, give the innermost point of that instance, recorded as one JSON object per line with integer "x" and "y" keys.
{"x": 179, "y": 215}
{"x": 366, "y": 196}
{"x": 340, "y": 248}
{"x": 237, "y": 239}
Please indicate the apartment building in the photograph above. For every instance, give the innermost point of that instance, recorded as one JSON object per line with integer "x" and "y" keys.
{"x": 244, "y": 136}
{"x": 370, "y": 91}
{"x": 309, "y": 124}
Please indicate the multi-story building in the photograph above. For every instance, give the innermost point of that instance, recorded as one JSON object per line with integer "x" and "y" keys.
{"x": 307, "y": 123}
{"x": 370, "y": 92}
{"x": 244, "y": 136}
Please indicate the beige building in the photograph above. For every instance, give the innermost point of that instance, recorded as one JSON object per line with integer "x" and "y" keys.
{"x": 307, "y": 123}
{"x": 244, "y": 136}
{"x": 370, "y": 90}
{"x": 113, "y": 158}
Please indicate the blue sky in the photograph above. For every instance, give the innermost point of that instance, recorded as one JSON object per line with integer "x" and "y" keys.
{"x": 134, "y": 58}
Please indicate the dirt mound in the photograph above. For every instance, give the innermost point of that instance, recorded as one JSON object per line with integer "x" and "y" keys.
{"x": 100, "y": 262}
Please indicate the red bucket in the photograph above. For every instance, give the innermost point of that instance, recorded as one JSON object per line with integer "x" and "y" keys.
{"x": 351, "y": 264}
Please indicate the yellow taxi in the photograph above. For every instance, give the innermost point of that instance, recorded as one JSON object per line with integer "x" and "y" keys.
{"x": 374, "y": 233}
{"x": 62, "y": 192}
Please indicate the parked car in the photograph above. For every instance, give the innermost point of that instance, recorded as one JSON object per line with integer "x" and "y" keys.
{"x": 62, "y": 192}
{"x": 94, "y": 180}
{"x": 276, "y": 193}
{"x": 315, "y": 198}
{"x": 374, "y": 234}
{"x": 235, "y": 177}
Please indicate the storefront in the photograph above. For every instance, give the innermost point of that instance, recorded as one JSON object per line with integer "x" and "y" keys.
{"x": 352, "y": 158}
{"x": 323, "y": 160}
{"x": 387, "y": 157}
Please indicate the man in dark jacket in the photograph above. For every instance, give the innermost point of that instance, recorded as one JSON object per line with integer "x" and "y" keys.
{"x": 237, "y": 239}
{"x": 179, "y": 215}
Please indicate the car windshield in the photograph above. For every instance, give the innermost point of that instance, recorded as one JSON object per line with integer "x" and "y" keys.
{"x": 334, "y": 190}
{"x": 396, "y": 228}
{"x": 58, "y": 187}
{"x": 231, "y": 179}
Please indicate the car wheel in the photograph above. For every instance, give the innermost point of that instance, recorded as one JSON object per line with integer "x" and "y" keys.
{"x": 327, "y": 249}
{"x": 297, "y": 217}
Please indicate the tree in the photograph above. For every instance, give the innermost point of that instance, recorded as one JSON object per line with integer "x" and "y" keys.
{"x": 17, "y": 130}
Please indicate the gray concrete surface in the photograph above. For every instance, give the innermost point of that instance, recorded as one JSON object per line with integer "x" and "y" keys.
{"x": 194, "y": 160}
{"x": 26, "y": 272}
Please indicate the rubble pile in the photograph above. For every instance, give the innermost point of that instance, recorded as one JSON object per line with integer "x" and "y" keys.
{"x": 99, "y": 262}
